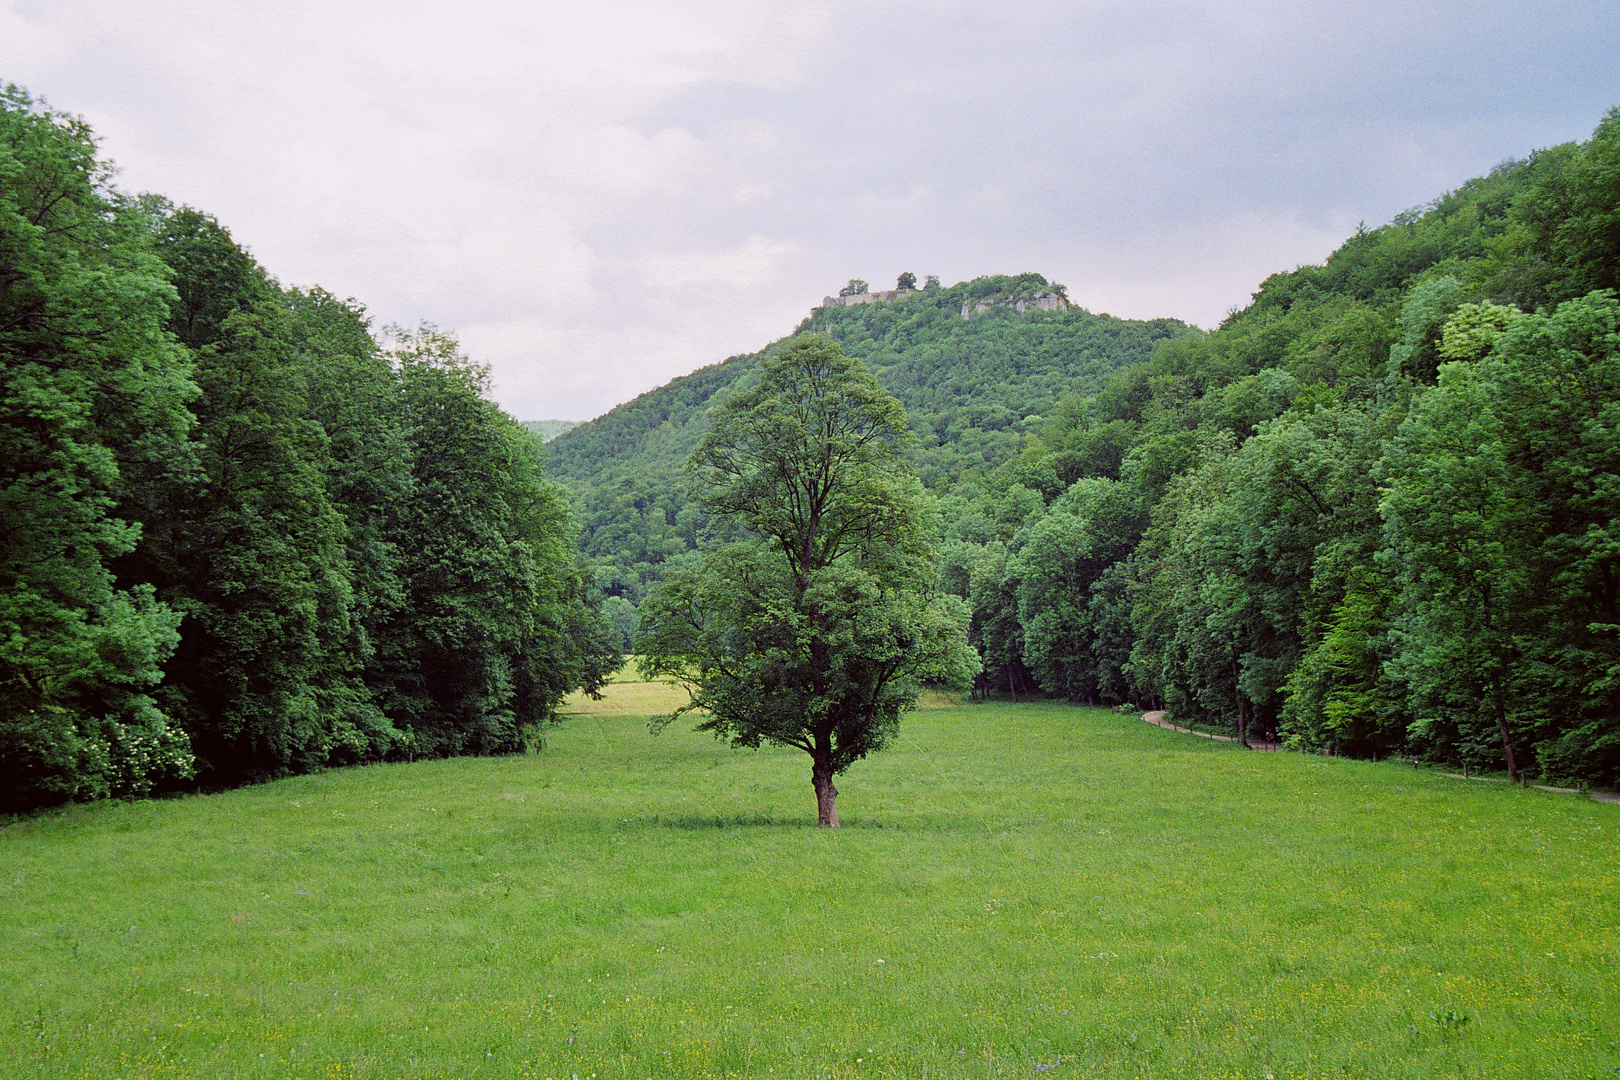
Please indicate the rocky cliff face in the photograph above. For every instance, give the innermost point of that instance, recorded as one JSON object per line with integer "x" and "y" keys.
{"x": 1020, "y": 304}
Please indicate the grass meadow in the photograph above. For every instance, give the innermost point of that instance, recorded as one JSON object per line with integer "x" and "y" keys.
{"x": 1019, "y": 890}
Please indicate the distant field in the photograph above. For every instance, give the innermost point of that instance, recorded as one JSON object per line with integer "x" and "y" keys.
{"x": 1020, "y": 890}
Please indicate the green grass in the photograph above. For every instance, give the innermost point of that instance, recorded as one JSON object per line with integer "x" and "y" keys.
{"x": 1020, "y": 890}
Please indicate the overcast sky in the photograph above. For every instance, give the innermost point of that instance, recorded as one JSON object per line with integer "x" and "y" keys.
{"x": 599, "y": 197}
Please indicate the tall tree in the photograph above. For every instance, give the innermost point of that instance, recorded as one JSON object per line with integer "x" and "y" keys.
{"x": 1089, "y": 528}
{"x": 1502, "y": 512}
{"x": 88, "y": 382}
{"x": 1457, "y": 513}
{"x": 813, "y": 631}
{"x": 497, "y": 624}
{"x": 247, "y": 545}
{"x": 353, "y": 393}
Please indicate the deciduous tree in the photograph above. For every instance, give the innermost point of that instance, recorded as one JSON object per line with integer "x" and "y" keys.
{"x": 815, "y": 629}
{"x": 88, "y": 381}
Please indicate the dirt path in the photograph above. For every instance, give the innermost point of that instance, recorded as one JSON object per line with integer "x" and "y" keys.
{"x": 1157, "y": 717}
{"x": 1599, "y": 796}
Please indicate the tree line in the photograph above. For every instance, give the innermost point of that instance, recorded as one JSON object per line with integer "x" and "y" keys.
{"x": 1375, "y": 512}
{"x": 244, "y": 535}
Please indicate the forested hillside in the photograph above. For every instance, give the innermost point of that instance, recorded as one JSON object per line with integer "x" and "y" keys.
{"x": 240, "y": 535}
{"x": 975, "y": 390}
{"x": 1376, "y": 511}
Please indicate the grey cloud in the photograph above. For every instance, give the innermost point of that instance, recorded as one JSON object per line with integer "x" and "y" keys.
{"x": 601, "y": 199}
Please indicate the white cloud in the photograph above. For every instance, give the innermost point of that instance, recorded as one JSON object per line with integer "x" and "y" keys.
{"x": 754, "y": 263}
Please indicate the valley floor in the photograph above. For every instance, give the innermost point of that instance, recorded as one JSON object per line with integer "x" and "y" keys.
{"x": 1020, "y": 890}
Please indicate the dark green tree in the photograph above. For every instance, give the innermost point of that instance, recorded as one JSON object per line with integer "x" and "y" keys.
{"x": 353, "y": 393}
{"x": 815, "y": 630}
{"x": 1066, "y": 552}
{"x": 498, "y": 623}
{"x": 89, "y": 386}
{"x": 249, "y": 547}
{"x": 1460, "y": 520}
{"x": 1502, "y": 512}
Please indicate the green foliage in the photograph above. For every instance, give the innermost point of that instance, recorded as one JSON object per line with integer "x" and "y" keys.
{"x": 250, "y": 549}
{"x": 86, "y": 377}
{"x": 1060, "y": 565}
{"x": 1502, "y": 510}
{"x": 225, "y": 552}
{"x": 495, "y": 627}
{"x": 814, "y": 631}
{"x": 1584, "y": 240}
{"x": 975, "y": 393}
{"x": 1453, "y": 613}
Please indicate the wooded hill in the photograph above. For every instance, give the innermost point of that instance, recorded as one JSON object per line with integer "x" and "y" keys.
{"x": 1375, "y": 511}
{"x": 975, "y": 391}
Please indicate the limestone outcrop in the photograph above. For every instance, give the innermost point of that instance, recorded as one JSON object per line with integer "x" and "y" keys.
{"x": 1039, "y": 302}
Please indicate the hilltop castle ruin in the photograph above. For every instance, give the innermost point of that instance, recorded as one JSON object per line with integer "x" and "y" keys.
{"x": 1019, "y": 302}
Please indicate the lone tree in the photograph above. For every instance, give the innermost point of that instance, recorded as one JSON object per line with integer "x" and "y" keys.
{"x": 815, "y": 629}
{"x": 855, "y": 287}
{"x": 907, "y": 280}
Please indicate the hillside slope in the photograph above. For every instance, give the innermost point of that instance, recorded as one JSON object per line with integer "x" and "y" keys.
{"x": 976, "y": 388}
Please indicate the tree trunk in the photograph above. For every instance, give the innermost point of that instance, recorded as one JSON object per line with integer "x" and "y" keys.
{"x": 826, "y": 797}
{"x": 1501, "y": 725}
{"x": 1242, "y": 709}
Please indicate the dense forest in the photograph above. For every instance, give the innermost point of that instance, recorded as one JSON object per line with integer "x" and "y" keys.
{"x": 244, "y": 535}
{"x": 1375, "y": 512}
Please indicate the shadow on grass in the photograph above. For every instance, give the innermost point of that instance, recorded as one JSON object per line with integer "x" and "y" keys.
{"x": 933, "y": 823}
{"x": 727, "y": 821}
